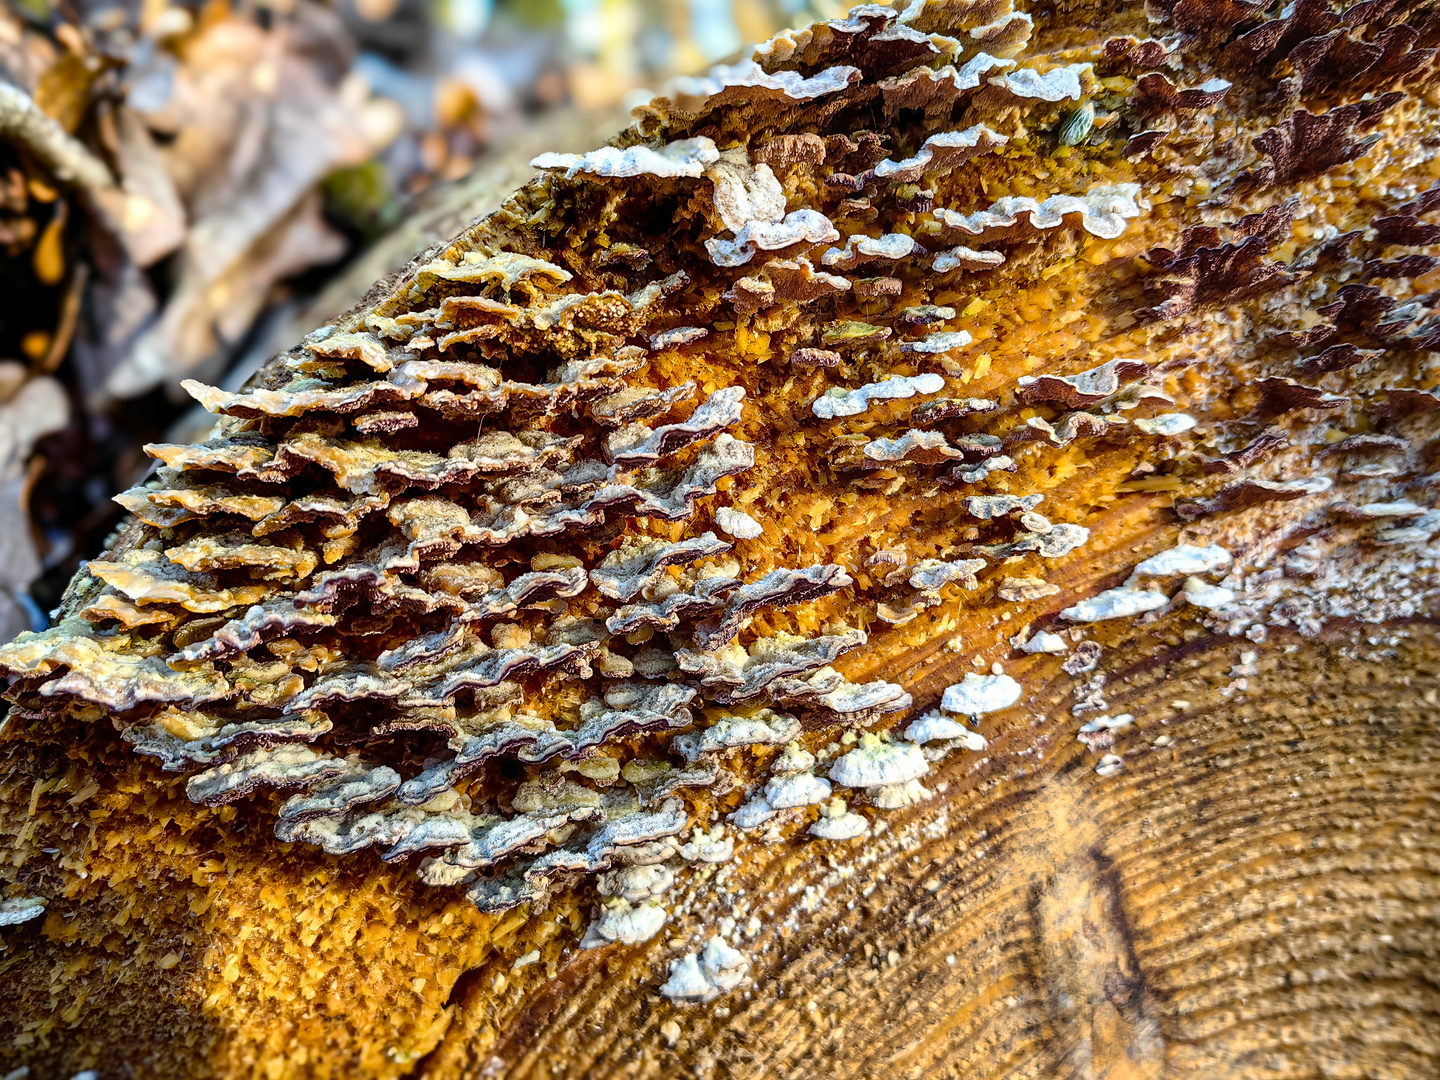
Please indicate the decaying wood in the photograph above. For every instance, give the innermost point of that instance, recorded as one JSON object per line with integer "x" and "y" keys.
{"x": 865, "y": 575}
{"x": 1255, "y": 898}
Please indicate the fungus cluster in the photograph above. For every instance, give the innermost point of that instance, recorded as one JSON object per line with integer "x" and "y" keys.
{"x": 564, "y": 545}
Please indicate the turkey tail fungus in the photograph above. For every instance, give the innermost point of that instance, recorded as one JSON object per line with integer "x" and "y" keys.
{"x": 917, "y": 558}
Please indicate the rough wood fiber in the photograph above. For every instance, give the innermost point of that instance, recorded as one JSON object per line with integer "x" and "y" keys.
{"x": 1096, "y": 345}
{"x": 1257, "y": 899}
{"x": 1256, "y": 902}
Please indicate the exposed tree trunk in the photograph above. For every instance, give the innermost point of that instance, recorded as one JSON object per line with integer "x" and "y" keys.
{"x": 1200, "y": 842}
{"x": 1257, "y": 898}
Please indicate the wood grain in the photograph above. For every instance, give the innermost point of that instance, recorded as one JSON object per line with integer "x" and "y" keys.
{"x": 1257, "y": 899}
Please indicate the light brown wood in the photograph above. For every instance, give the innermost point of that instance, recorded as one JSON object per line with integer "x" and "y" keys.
{"x": 1247, "y": 889}
{"x": 1256, "y": 899}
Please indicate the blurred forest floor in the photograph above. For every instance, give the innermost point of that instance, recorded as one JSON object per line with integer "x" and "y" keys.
{"x": 186, "y": 189}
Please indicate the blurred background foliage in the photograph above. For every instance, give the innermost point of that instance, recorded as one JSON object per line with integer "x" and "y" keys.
{"x": 186, "y": 188}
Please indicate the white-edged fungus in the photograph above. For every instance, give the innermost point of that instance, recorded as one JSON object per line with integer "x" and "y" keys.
{"x": 837, "y": 401}
{"x": 972, "y": 71}
{"x": 1107, "y": 723}
{"x": 716, "y": 970}
{"x": 937, "y": 727}
{"x": 877, "y": 763}
{"x": 1202, "y": 594}
{"x": 838, "y": 822}
{"x": 636, "y": 884}
{"x": 859, "y": 248}
{"x": 684, "y": 157}
{"x": 752, "y": 813}
{"x": 281, "y": 766}
{"x": 931, "y": 574}
{"x": 924, "y": 447}
{"x": 942, "y": 152}
{"x": 1109, "y": 765}
{"x": 765, "y": 728}
{"x": 738, "y": 524}
{"x": 679, "y": 335}
{"x": 620, "y": 921}
{"x": 1401, "y": 508}
{"x": 800, "y": 226}
{"x": 1418, "y": 531}
{"x": 708, "y": 847}
{"x": 1103, "y": 212}
{"x": 976, "y": 695}
{"x": 853, "y": 703}
{"x": 942, "y": 342}
{"x": 19, "y": 909}
{"x": 988, "y": 507}
{"x": 639, "y": 564}
{"x": 793, "y": 759}
{"x": 961, "y": 257}
{"x": 1045, "y": 642}
{"x": 1084, "y": 388}
{"x": 1021, "y": 590}
{"x": 1115, "y": 604}
{"x": 747, "y": 74}
{"x": 687, "y": 982}
{"x": 1057, "y": 84}
{"x": 745, "y": 192}
{"x": 801, "y": 789}
{"x": 1184, "y": 559}
{"x": 1165, "y": 424}
{"x": 361, "y": 783}
{"x": 941, "y": 85}
{"x": 723, "y": 966}
{"x": 899, "y": 796}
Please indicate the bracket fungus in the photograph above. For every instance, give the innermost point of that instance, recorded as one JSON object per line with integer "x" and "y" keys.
{"x": 615, "y": 521}
{"x": 838, "y": 822}
{"x": 704, "y": 976}
{"x": 839, "y": 402}
{"x": 1184, "y": 559}
{"x": 976, "y": 695}
{"x": 18, "y": 909}
{"x": 936, "y": 727}
{"x": 875, "y": 763}
{"x": 1115, "y": 604}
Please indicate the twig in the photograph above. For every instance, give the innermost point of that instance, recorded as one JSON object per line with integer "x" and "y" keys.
{"x": 69, "y": 316}
{"x": 24, "y": 121}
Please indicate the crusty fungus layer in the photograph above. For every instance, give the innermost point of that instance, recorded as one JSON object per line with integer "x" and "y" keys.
{"x": 647, "y": 516}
